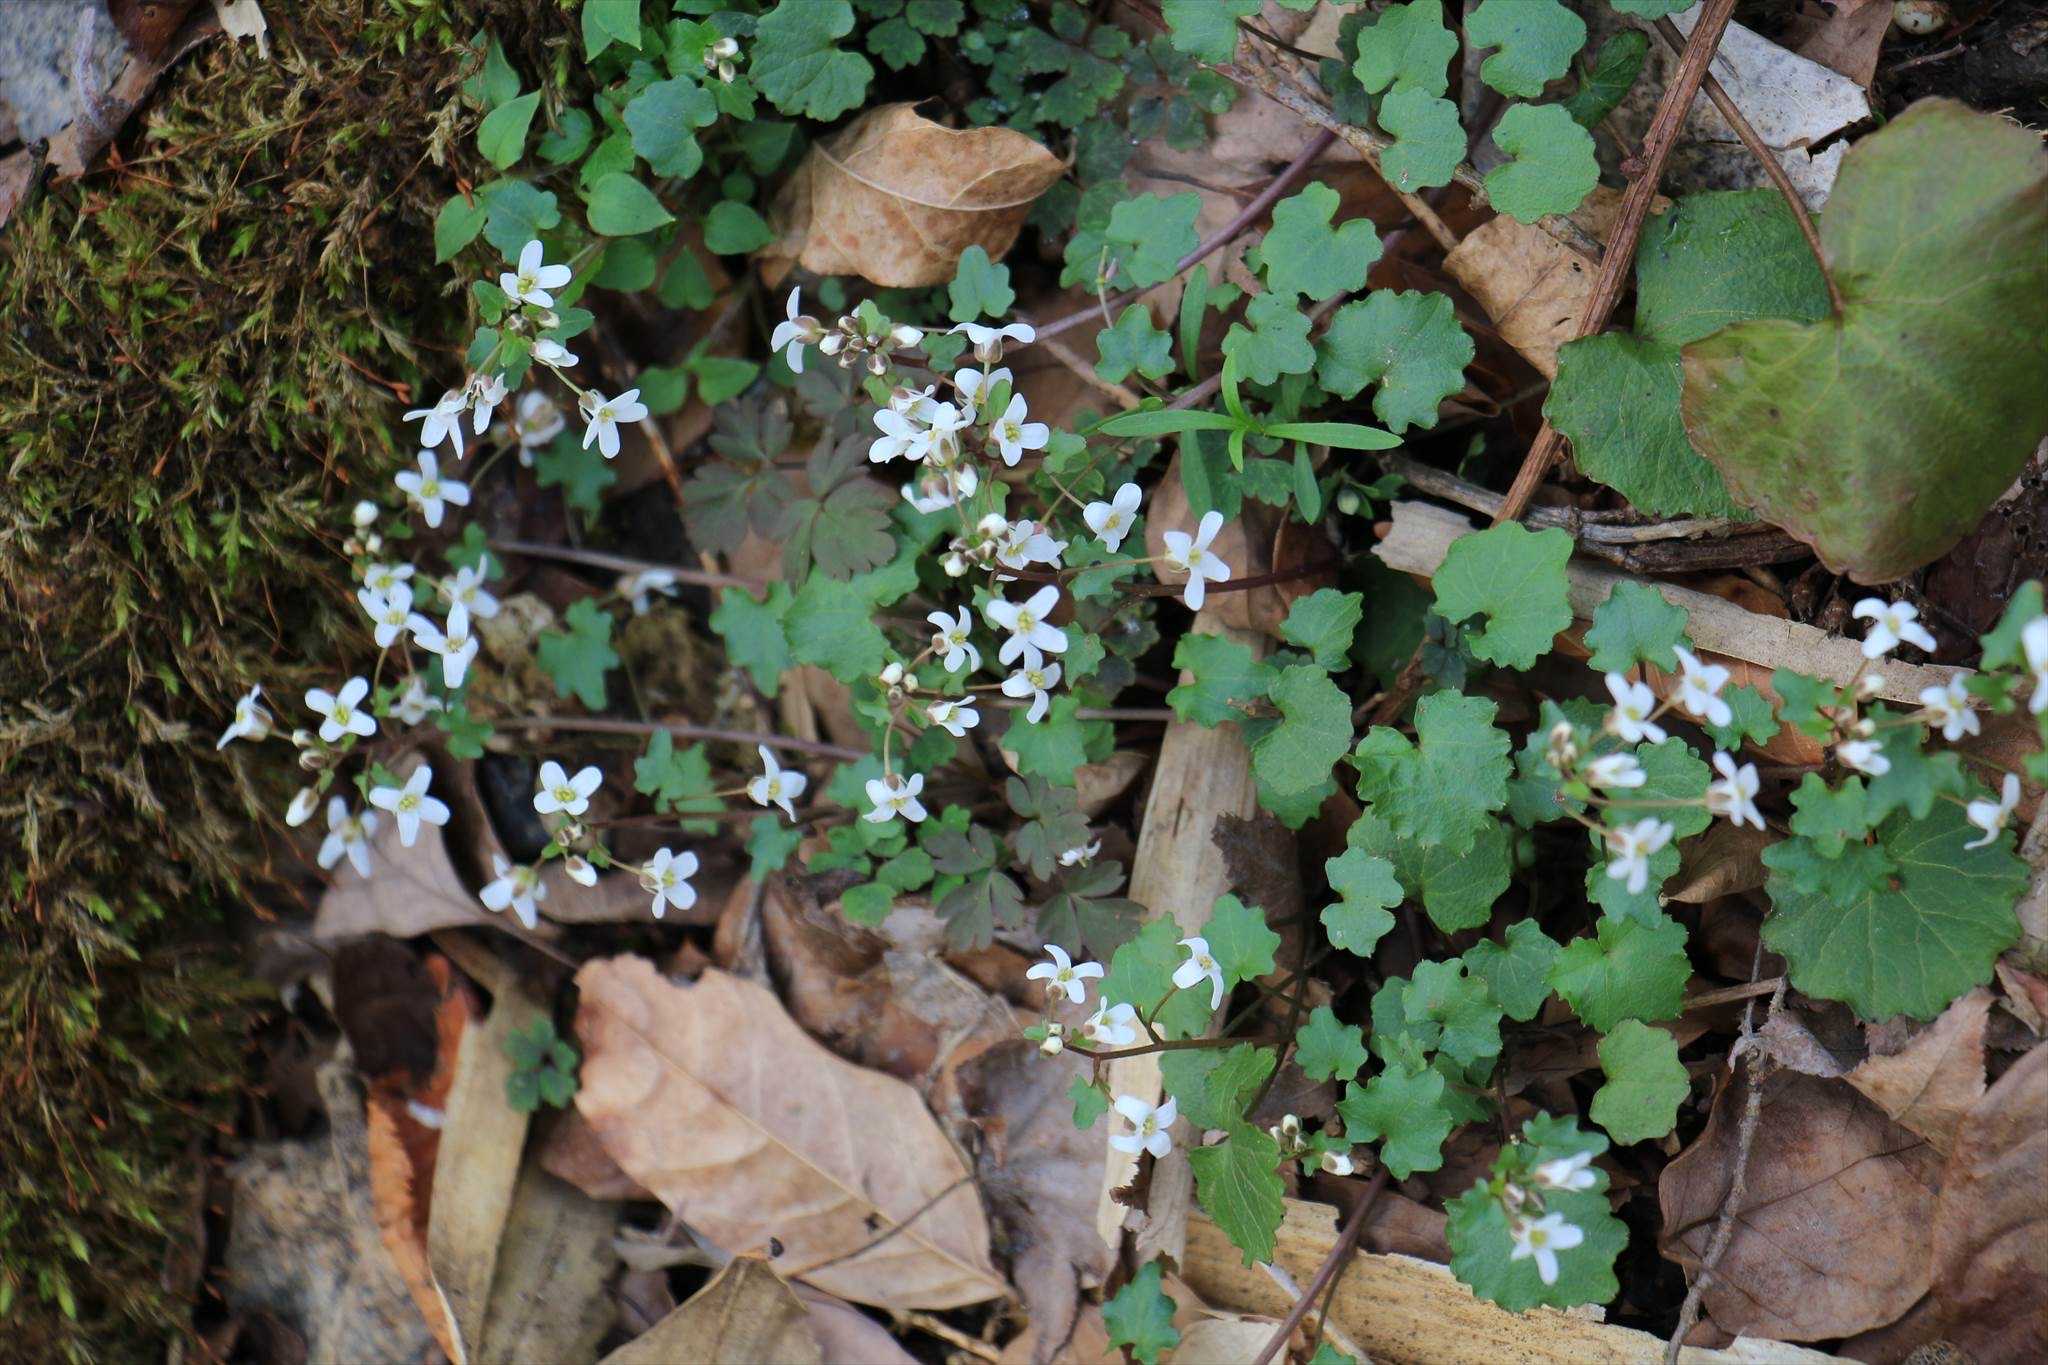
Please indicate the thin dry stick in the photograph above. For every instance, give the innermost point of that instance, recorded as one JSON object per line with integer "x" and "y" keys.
{"x": 534, "y": 549}
{"x": 1347, "y": 1243}
{"x": 1738, "y": 1181}
{"x": 602, "y": 726}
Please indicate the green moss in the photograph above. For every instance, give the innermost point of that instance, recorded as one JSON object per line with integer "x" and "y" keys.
{"x": 199, "y": 356}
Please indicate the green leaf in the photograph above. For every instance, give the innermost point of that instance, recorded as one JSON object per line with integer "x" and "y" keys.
{"x": 457, "y": 225}
{"x": 620, "y": 206}
{"x": 1514, "y": 577}
{"x": 1141, "y": 975}
{"x": 1645, "y": 1083}
{"x": 1059, "y": 745}
{"x": 1150, "y": 233}
{"x": 1327, "y": 1050}
{"x": 610, "y": 21}
{"x": 662, "y": 120}
{"x": 1518, "y": 974}
{"x": 1751, "y": 719}
{"x": 980, "y": 288}
{"x": 770, "y": 842}
{"x": 1553, "y": 167}
{"x": 1238, "y": 1182}
{"x": 1167, "y": 422}
{"x": 1221, "y": 670}
{"x": 940, "y": 18}
{"x": 1428, "y": 143}
{"x": 1917, "y": 778}
{"x": 1614, "y": 73}
{"x": 1302, "y": 253}
{"x": 1459, "y": 1004}
{"x": 1297, "y": 754}
{"x": 1906, "y": 943}
{"x": 1881, "y": 435}
{"x": 896, "y": 43}
{"x": 1634, "y": 969}
{"x": 582, "y": 473}
{"x": 676, "y": 781}
{"x": 1651, "y": 9}
{"x": 1091, "y": 1102}
{"x": 1324, "y": 623}
{"x": 1635, "y": 625}
{"x": 1206, "y": 28}
{"x": 578, "y": 659}
{"x": 1481, "y": 1244}
{"x": 1239, "y": 940}
{"x": 498, "y": 82}
{"x": 1140, "y": 1316}
{"x": 1457, "y": 889}
{"x": 868, "y": 903}
{"x": 2005, "y": 646}
{"x": 1213, "y": 1085}
{"x": 831, "y": 621}
{"x": 1537, "y": 41}
{"x": 501, "y": 137}
{"x": 515, "y": 213}
{"x": 1271, "y": 341}
{"x": 1408, "y": 343}
{"x": 1673, "y": 773}
{"x": 1343, "y": 435}
{"x": 794, "y": 62}
{"x": 1407, "y": 48}
{"x": 1367, "y": 890}
{"x": 568, "y": 139}
{"x": 1440, "y": 788}
{"x": 1829, "y": 818}
{"x": 1402, "y": 1108}
{"x": 734, "y": 229}
{"x": 1133, "y": 344}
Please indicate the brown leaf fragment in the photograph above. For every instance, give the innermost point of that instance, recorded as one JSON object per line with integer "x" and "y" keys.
{"x": 1932, "y": 1083}
{"x": 844, "y": 1333}
{"x": 895, "y": 198}
{"x": 573, "y": 1153}
{"x": 745, "y": 1316}
{"x": 1831, "y": 1239}
{"x": 549, "y": 1296}
{"x": 715, "y": 1099}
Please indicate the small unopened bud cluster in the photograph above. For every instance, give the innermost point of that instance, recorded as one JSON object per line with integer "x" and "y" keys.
{"x": 856, "y": 342}
{"x": 719, "y": 57}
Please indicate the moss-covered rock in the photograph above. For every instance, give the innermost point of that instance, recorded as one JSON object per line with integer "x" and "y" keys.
{"x": 201, "y": 345}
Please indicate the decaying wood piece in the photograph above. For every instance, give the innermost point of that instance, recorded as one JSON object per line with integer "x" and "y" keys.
{"x": 1201, "y": 775}
{"x": 1404, "y": 1311}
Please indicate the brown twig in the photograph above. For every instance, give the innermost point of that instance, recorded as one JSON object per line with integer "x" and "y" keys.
{"x": 1346, "y": 1245}
{"x": 533, "y": 549}
{"x": 597, "y": 725}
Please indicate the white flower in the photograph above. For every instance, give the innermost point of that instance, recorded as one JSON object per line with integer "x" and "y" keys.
{"x": 901, "y": 436}
{"x": 388, "y": 612}
{"x": 1063, "y": 975}
{"x": 1949, "y": 707}
{"x": 1027, "y": 624}
{"x": 1198, "y": 966}
{"x": 1111, "y": 1025}
{"x": 2034, "y": 639}
{"x": 1864, "y": 755}
{"x": 1055, "y": 1039}
{"x": 988, "y": 341}
{"x": 955, "y": 650}
{"x": 443, "y": 420}
{"x": 793, "y": 333}
{"x": 532, "y": 281}
{"x": 956, "y": 718}
{"x": 252, "y": 719}
{"x": 1633, "y": 703}
{"x": 1616, "y": 770}
{"x": 937, "y": 489}
{"x": 561, "y": 792}
{"x": 1543, "y": 1238}
{"x": 1891, "y": 624}
{"x": 302, "y": 807}
{"x": 555, "y": 354}
{"x": 466, "y": 590}
{"x": 776, "y": 786}
{"x": 1990, "y": 816}
{"x": 1735, "y": 794}
{"x": 1035, "y": 679}
{"x": 580, "y": 871}
{"x": 1567, "y": 1173}
{"x": 486, "y": 391}
{"x": 604, "y": 415}
{"x": 1193, "y": 557}
{"x": 428, "y": 491}
{"x": 975, "y": 385}
{"x": 667, "y": 877}
{"x": 338, "y": 711}
{"x": 1699, "y": 688}
{"x": 411, "y": 805}
{"x": 1081, "y": 854}
{"x": 1014, "y": 435}
{"x": 348, "y": 835}
{"x": 1629, "y": 848}
{"x": 639, "y": 588}
{"x": 365, "y": 514}
{"x": 1022, "y": 543}
{"x": 415, "y": 704}
{"x": 891, "y": 796}
{"x": 518, "y": 886}
{"x": 912, "y": 402}
{"x": 386, "y": 578}
{"x": 1112, "y": 520}
{"x": 456, "y": 646}
{"x": 1148, "y": 1125}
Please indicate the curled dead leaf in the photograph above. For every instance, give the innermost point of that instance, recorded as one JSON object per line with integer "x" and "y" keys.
{"x": 746, "y": 1313}
{"x": 1932, "y": 1083}
{"x": 895, "y": 198}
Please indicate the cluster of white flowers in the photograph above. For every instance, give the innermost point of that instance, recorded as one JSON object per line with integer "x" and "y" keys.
{"x": 1538, "y": 1235}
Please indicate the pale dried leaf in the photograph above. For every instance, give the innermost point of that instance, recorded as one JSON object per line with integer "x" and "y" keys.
{"x": 895, "y": 198}
{"x": 1932, "y": 1083}
{"x": 1225, "y": 1340}
{"x": 573, "y": 1153}
{"x": 745, "y": 1316}
{"x": 715, "y": 1099}
{"x": 1787, "y": 1041}
{"x": 549, "y": 1297}
{"x": 844, "y": 1333}
{"x": 1533, "y": 286}
{"x": 1724, "y": 861}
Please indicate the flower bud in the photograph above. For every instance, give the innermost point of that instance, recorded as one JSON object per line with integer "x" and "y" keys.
{"x": 954, "y": 565}
{"x": 302, "y": 807}
{"x": 364, "y": 514}
{"x": 1348, "y": 502}
{"x": 580, "y": 871}
{"x": 1869, "y": 685}
{"x": 1337, "y": 1163}
{"x": 892, "y": 675}
{"x": 1055, "y": 1040}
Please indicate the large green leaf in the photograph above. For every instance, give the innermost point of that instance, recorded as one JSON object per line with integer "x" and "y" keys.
{"x": 1880, "y": 435}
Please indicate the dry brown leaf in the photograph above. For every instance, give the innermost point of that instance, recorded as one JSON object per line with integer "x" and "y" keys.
{"x": 844, "y": 1333}
{"x": 745, "y": 1316}
{"x": 549, "y": 1296}
{"x": 895, "y": 198}
{"x": 1935, "y": 1080}
{"x": 1851, "y": 41}
{"x": 572, "y": 1152}
{"x": 1223, "y": 1340}
{"x": 715, "y": 1099}
{"x": 1725, "y": 861}
{"x": 2026, "y": 995}
{"x": 409, "y": 892}
{"x": 1831, "y": 1239}
{"x": 1533, "y": 286}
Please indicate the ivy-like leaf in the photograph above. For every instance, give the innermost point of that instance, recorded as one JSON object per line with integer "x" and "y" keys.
{"x": 1324, "y": 623}
{"x": 1515, "y": 578}
{"x": 1303, "y": 254}
{"x": 662, "y": 120}
{"x": 1408, "y": 343}
{"x": 980, "y": 288}
{"x": 752, "y": 631}
{"x": 1327, "y": 1050}
{"x": 578, "y": 659}
{"x": 1635, "y": 625}
{"x": 794, "y": 60}
{"x": 1133, "y": 344}
{"x": 1458, "y": 890}
{"x": 1407, "y": 48}
{"x": 1537, "y": 41}
{"x": 1314, "y": 730}
{"x": 1238, "y": 1182}
{"x": 1428, "y": 141}
{"x": 1271, "y": 341}
{"x": 1206, "y": 28}
{"x": 1461, "y": 1007}
{"x": 1645, "y": 1083}
{"x": 1367, "y": 890}
{"x": 1482, "y": 1246}
{"x": 1440, "y": 788}
{"x": 1239, "y": 940}
{"x": 1213, "y": 1085}
{"x": 1221, "y": 671}
{"x": 1633, "y": 969}
{"x": 1517, "y": 974}
{"x": 1402, "y": 1108}
{"x": 1150, "y": 233}
{"x": 1553, "y": 168}
{"x": 1140, "y": 1316}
